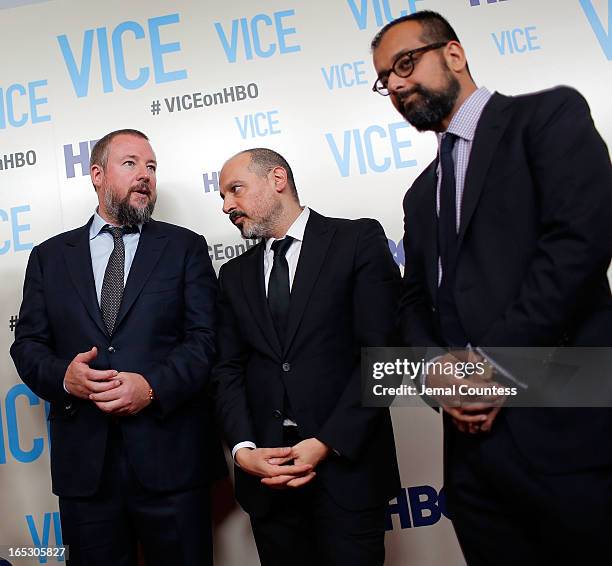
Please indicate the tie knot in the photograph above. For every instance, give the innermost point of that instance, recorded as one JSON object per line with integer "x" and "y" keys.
{"x": 280, "y": 247}
{"x": 448, "y": 142}
{"x": 117, "y": 232}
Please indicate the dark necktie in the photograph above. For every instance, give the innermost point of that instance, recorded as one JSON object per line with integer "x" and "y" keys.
{"x": 278, "y": 287}
{"x": 450, "y": 323}
{"x": 112, "y": 285}
{"x": 447, "y": 217}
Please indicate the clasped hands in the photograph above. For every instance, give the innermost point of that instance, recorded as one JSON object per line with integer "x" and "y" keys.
{"x": 283, "y": 468}
{"x": 116, "y": 393}
{"x": 471, "y": 414}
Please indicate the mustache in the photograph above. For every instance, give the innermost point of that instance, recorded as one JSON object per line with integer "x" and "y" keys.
{"x": 235, "y": 214}
{"x": 141, "y": 188}
{"x": 402, "y": 96}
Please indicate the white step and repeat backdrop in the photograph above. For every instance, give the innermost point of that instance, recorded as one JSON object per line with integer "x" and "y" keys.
{"x": 205, "y": 79}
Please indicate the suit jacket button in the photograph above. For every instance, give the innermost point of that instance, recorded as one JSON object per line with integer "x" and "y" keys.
{"x": 277, "y": 414}
{"x": 286, "y": 366}
{"x": 111, "y": 349}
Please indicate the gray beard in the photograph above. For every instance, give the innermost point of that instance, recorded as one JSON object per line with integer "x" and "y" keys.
{"x": 265, "y": 228}
{"x": 124, "y": 213}
{"x": 255, "y": 231}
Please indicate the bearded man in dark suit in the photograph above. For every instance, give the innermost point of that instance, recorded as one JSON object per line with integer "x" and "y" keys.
{"x": 507, "y": 241}
{"x": 117, "y": 331}
{"x": 315, "y": 469}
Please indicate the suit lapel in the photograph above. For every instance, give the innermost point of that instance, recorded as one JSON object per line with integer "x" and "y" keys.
{"x": 151, "y": 244}
{"x": 489, "y": 131}
{"x": 430, "y": 235}
{"x": 252, "y": 273}
{"x": 317, "y": 238}
{"x": 78, "y": 260}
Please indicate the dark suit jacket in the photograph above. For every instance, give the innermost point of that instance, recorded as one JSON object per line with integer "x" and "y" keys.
{"x": 343, "y": 298}
{"x": 164, "y": 331}
{"x": 534, "y": 245}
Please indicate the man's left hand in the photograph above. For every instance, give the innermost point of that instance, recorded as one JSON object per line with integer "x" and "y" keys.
{"x": 310, "y": 451}
{"x": 131, "y": 397}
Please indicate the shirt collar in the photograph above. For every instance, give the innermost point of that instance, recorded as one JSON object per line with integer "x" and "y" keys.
{"x": 296, "y": 230}
{"x": 98, "y": 223}
{"x": 463, "y": 123}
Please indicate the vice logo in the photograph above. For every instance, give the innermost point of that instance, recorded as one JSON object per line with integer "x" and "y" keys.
{"x": 418, "y": 506}
{"x": 128, "y": 78}
{"x": 375, "y": 149}
{"x": 517, "y": 40}
{"x": 261, "y": 36}
{"x": 604, "y": 39}
{"x": 344, "y": 75}
{"x": 259, "y": 124}
{"x": 21, "y": 103}
{"x": 383, "y": 11}
{"x": 22, "y": 447}
{"x": 47, "y": 533}
{"x": 16, "y": 229}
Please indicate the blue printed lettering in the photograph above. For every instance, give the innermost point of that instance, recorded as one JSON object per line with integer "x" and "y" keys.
{"x": 517, "y": 40}
{"x": 380, "y": 8}
{"x": 250, "y": 32}
{"x": 260, "y": 124}
{"x": 122, "y": 78}
{"x": 80, "y": 75}
{"x": 17, "y": 451}
{"x": 43, "y": 540}
{"x": 344, "y": 75}
{"x": 16, "y": 230}
{"x": 354, "y": 141}
{"x": 604, "y": 39}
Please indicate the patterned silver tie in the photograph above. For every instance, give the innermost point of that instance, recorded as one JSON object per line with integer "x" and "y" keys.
{"x": 112, "y": 286}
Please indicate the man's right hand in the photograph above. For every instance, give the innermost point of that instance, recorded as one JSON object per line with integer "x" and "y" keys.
{"x": 255, "y": 461}
{"x": 80, "y": 380}
{"x": 469, "y": 416}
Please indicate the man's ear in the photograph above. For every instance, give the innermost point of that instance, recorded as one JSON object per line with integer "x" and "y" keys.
{"x": 279, "y": 175}
{"x": 454, "y": 56}
{"x": 96, "y": 173}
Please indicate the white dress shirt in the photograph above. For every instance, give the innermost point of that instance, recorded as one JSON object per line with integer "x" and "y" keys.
{"x": 296, "y": 231}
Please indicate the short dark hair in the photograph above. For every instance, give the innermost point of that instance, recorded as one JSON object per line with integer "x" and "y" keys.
{"x": 263, "y": 160}
{"x": 99, "y": 153}
{"x": 435, "y": 28}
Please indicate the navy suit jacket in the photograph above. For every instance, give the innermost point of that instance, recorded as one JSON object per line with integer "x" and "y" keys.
{"x": 165, "y": 330}
{"x": 534, "y": 245}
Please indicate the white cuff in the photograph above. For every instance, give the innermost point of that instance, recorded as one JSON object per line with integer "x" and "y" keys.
{"x": 65, "y": 388}
{"x": 245, "y": 444}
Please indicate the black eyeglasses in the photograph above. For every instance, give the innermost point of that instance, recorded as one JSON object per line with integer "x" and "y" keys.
{"x": 403, "y": 67}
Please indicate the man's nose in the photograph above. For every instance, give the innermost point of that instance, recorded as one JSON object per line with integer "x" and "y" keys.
{"x": 228, "y": 204}
{"x": 144, "y": 173}
{"x": 397, "y": 84}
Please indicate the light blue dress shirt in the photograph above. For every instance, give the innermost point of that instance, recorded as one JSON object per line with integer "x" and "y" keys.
{"x": 101, "y": 246}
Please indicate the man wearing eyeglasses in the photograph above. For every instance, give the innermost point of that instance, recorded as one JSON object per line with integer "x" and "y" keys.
{"x": 507, "y": 242}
